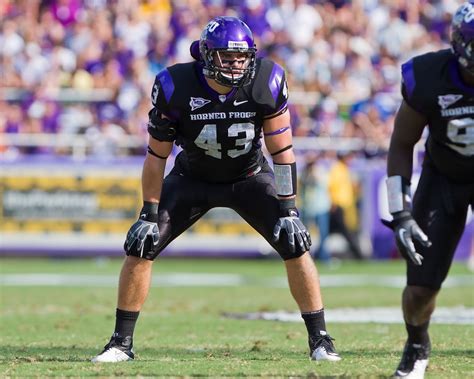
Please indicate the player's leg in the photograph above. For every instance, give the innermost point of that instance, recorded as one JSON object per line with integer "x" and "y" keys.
{"x": 303, "y": 280}
{"x": 182, "y": 203}
{"x": 441, "y": 213}
{"x": 255, "y": 200}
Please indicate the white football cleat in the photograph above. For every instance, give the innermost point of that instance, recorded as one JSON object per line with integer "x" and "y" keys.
{"x": 111, "y": 355}
{"x": 414, "y": 361}
{"x": 418, "y": 371}
{"x": 322, "y": 348}
{"x": 117, "y": 350}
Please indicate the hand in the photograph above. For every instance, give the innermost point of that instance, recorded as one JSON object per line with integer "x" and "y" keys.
{"x": 406, "y": 230}
{"x": 294, "y": 229}
{"x": 144, "y": 234}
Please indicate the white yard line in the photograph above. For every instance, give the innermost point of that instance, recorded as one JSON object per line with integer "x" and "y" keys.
{"x": 457, "y": 315}
{"x": 385, "y": 315}
{"x": 219, "y": 280}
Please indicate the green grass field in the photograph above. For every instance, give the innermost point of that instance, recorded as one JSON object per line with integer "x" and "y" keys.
{"x": 54, "y": 330}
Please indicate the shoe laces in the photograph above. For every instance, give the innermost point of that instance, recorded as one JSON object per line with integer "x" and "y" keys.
{"x": 121, "y": 343}
{"x": 321, "y": 340}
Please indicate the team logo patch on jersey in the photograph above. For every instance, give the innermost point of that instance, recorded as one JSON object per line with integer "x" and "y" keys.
{"x": 198, "y": 102}
{"x": 445, "y": 101}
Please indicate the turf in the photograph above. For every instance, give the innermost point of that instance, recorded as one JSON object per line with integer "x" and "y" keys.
{"x": 55, "y": 330}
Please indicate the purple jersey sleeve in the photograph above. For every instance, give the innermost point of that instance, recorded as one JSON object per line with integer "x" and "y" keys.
{"x": 409, "y": 86}
{"x": 161, "y": 93}
{"x": 279, "y": 91}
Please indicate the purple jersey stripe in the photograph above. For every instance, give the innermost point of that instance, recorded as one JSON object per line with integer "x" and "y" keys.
{"x": 274, "y": 82}
{"x": 167, "y": 84}
{"x": 408, "y": 75}
{"x": 278, "y": 131}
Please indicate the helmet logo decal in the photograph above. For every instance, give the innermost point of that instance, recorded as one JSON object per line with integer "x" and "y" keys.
{"x": 198, "y": 102}
{"x": 212, "y": 26}
{"x": 467, "y": 13}
{"x": 237, "y": 45}
{"x": 445, "y": 101}
{"x": 462, "y": 36}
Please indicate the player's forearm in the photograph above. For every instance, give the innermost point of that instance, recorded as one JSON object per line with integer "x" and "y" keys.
{"x": 408, "y": 128}
{"x": 284, "y": 165}
{"x": 400, "y": 160}
{"x": 152, "y": 178}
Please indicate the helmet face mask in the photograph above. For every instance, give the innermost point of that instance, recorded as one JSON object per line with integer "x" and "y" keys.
{"x": 462, "y": 36}
{"x": 228, "y": 51}
{"x": 232, "y": 66}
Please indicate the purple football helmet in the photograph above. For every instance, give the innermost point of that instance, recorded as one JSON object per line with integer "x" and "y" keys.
{"x": 462, "y": 36}
{"x": 223, "y": 35}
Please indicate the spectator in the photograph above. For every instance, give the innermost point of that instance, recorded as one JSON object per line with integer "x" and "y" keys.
{"x": 347, "y": 53}
{"x": 344, "y": 218}
{"x": 316, "y": 203}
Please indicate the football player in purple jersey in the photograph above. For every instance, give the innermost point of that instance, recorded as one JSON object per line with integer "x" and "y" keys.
{"x": 217, "y": 109}
{"x": 438, "y": 91}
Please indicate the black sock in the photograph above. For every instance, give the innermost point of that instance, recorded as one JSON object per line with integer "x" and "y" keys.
{"x": 418, "y": 334}
{"x": 125, "y": 322}
{"x": 315, "y": 323}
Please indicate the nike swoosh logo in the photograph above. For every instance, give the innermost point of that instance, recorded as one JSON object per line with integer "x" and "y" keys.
{"x": 401, "y": 235}
{"x": 236, "y": 103}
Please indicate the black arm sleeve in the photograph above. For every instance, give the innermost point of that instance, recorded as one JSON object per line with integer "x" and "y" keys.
{"x": 161, "y": 128}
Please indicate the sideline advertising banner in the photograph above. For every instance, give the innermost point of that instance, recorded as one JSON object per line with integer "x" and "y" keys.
{"x": 86, "y": 209}
{"x": 69, "y": 209}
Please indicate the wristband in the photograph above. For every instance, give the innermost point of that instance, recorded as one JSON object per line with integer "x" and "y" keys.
{"x": 288, "y": 207}
{"x": 149, "y": 211}
{"x": 398, "y": 192}
{"x": 285, "y": 179}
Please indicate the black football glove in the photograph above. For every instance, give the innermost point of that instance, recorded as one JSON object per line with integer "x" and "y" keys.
{"x": 143, "y": 235}
{"x": 406, "y": 230}
{"x": 292, "y": 225}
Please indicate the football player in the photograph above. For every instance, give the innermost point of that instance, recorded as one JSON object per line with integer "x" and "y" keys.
{"x": 438, "y": 91}
{"x": 217, "y": 108}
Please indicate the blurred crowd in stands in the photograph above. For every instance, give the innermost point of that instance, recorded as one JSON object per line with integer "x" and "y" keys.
{"x": 86, "y": 67}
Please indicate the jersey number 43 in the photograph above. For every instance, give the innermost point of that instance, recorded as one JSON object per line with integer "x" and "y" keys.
{"x": 207, "y": 139}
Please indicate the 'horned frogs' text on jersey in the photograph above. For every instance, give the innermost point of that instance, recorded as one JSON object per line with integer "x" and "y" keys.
{"x": 220, "y": 134}
{"x": 432, "y": 85}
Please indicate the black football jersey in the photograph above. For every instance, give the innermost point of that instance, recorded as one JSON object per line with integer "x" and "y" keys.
{"x": 432, "y": 85}
{"x": 219, "y": 134}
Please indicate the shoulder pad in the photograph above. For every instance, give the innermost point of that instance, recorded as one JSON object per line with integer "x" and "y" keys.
{"x": 408, "y": 78}
{"x": 270, "y": 88}
{"x": 423, "y": 76}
